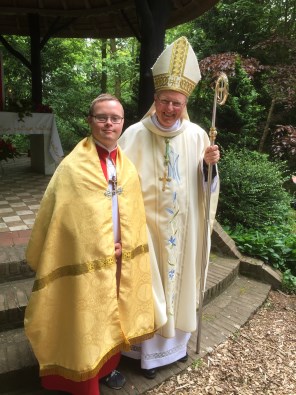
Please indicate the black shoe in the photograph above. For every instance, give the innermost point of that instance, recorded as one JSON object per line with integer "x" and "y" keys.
{"x": 114, "y": 380}
{"x": 183, "y": 359}
{"x": 149, "y": 373}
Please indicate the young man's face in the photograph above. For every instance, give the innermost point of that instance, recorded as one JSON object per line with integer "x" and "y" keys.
{"x": 106, "y": 122}
{"x": 169, "y": 106}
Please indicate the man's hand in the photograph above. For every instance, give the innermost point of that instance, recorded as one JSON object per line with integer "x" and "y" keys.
{"x": 118, "y": 250}
{"x": 212, "y": 155}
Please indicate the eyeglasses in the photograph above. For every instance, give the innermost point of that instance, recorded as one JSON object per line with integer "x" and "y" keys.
{"x": 102, "y": 118}
{"x": 166, "y": 102}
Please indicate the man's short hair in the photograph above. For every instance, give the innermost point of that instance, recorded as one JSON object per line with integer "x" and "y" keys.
{"x": 102, "y": 97}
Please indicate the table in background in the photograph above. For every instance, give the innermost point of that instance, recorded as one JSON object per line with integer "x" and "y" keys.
{"x": 45, "y": 144}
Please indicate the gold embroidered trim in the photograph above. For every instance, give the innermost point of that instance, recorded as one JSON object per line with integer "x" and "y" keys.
{"x": 181, "y": 84}
{"x": 178, "y": 58}
{"x": 82, "y": 376}
{"x": 127, "y": 255}
{"x": 174, "y": 79}
{"x": 76, "y": 270}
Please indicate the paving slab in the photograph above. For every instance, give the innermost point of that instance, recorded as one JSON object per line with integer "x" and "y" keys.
{"x": 222, "y": 317}
{"x": 230, "y": 299}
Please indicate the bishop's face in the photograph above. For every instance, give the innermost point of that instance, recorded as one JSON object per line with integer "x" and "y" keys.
{"x": 169, "y": 106}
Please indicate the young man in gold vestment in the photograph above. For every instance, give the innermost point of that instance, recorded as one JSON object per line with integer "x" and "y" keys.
{"x": 92, "y": 295}
{"x": 171, "y": 155}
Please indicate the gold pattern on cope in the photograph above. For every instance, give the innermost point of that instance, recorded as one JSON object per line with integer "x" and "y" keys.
{"x": 75, "y": 319}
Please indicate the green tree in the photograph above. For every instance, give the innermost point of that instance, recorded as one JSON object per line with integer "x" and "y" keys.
{"x": 72, "y": 72}
{"x": 17, "y": 82}
{"x": 239, "y": 25}
{"x": 237, "y": 121}
{"x": 264, "y": 30}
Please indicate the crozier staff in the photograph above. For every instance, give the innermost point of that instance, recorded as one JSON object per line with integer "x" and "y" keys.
{"x": 220, "y": 96}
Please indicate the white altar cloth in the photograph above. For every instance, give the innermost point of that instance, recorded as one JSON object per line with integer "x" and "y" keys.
{"x": 39, "y": 123}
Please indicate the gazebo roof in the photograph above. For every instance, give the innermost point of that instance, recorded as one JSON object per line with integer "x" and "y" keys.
{"x": 88, "y": 18}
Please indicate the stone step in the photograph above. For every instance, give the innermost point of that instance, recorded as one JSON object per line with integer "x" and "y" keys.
{"x": 222, "y": 316}
{"x": 14, "y": 295}
{"x": 230, "y": 299}
{"x": 17, "y": 359}
{"x": 13, "y": 265}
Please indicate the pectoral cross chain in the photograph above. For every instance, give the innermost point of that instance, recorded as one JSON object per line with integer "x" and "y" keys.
{"x": 165, "y": 177}
{"x": 113, "y": 182}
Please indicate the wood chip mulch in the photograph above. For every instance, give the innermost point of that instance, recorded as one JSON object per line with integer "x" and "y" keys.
{"x": 259, "y": 359}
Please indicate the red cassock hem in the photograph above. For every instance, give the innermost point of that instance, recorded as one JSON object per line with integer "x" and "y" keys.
{"x": 88, "y": 387}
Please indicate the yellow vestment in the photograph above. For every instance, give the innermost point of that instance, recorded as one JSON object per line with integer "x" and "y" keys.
{"x": 74, "y": 320}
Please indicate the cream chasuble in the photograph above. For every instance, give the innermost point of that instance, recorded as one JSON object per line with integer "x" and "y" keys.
{"x": 74, "y": 320}
{"x": 175, "y": 215}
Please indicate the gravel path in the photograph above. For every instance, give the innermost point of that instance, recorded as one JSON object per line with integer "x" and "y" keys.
{"x": 259, "y": 359}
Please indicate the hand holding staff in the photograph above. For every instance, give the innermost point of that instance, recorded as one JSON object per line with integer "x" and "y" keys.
{"x": 221, "y": 93}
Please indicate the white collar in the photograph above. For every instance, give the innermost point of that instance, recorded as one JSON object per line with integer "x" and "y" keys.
{"x": 172, "y": 128}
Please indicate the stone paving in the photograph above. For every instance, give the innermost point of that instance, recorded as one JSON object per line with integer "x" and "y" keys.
{"x": 222, "y": 317}
{"x": 20, "y": 194}
{"x": 230, "y": 297}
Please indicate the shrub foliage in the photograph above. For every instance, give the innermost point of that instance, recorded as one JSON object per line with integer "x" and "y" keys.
{"x": 275, "y": 245}
{"x": 252, "y": 192}
{"x": 254, "y": 208}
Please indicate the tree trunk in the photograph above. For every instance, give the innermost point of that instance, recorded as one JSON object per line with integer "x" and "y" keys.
{"x": 266, "y": 129}
{"x": 36, "y": 77}
{"x": 117, "y": 89}
{"x": 104, "y": 74}
{"x": 153, "y": 16}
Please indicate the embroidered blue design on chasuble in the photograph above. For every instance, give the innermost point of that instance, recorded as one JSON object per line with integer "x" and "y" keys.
{"x": 172, "y": 229}
{"x": 173, "y": 166}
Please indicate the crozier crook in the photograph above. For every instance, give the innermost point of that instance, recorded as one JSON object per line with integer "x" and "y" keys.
{"x": 220, "y": 96}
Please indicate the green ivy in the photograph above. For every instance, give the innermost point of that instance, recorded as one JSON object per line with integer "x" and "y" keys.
{"x": 274, "y": 245}
{"x": 289, "y": 282}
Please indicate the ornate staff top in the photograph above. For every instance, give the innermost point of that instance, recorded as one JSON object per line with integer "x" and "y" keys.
{"x": 221, "y": 94}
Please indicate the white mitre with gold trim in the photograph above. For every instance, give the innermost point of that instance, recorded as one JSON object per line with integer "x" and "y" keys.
{"x": 177, "y": 68}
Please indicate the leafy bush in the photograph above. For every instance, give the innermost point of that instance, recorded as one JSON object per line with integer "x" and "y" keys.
{"x": 275, "y": 245}
{"x": 252, "y": 192}
{"x": 254, "y": 208}
{"x": 284, "y": 144}
{"x": 21, "y": 142}
{"x": 289, "y": 282}
{"x": 7, "y": 149}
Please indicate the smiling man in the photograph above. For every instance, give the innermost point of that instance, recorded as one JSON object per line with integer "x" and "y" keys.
{"x": 92, "y": 295}
{"x": 171, "y": 155}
